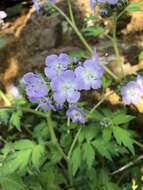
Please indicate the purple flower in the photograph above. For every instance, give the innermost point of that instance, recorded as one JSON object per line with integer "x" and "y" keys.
{"x": 92, "y": 4}
{"x": 76, "y": 115}
{"x": 88, "y": 75}
{"x": 51, "y": 1}
{"x": 44, "y": 103}
{"x": 65, "y": 88}
{"x": 55, "y": 65}
{"x": 35, "y": 86}
{"x": 140, "y": 82}
{"x": 131, "y": 93}
{"x": 112, "y": 2}
{"x": 37, "y": 5}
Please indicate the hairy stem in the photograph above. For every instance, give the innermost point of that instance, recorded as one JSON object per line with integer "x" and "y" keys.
{"x": 53, "y": 136}
{"x": 71, "y": 11}
{"x": 138, "y": 144}
{"x": 82, "y": 39}
{"x": 79, "y": 130}
{"x": 74, "y": 142}
{"x": 115, "y": 44}
{"x": 99, "y": 103}
{"x": 127, "y": 165}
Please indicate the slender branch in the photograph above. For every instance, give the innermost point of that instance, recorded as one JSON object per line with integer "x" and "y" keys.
{"x": 74, "y": 142}
{"x": 71, "y": 11}
{"x": 115, "y": 44}
{"x": 75, "y": 29}
{"x": 6, "y": 100}
{"x": 79, "y": 130}
{"x": 99, "y": 103}
{"x": 84, "y": 41}
{"x": 53, "y": 136}
{"x": 27, "y": 110}
{"x": 127, "y": 165}
{"x": 138, "y": 144}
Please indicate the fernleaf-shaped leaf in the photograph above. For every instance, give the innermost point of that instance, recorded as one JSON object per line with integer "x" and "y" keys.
{"x": 4, "y": 116}
{"x": 103, "y": 148}
{"x": 123, "y": 136}
{"x": 12, "y": 182}
{"x": 76, "y": 159}
{"x": 15, "y": 120}
{"x": 24, "y": 144}
{"x": 37, "y": 154}
{"x": 122, "y": 119}
{"x": 88, "y": 154}
{"x": 107, "y": 134}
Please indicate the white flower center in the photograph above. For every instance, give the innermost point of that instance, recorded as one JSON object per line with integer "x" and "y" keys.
{"x": 131, "y": 92}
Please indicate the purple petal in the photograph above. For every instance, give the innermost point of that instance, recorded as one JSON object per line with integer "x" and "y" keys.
{"x": 51, "y": 59}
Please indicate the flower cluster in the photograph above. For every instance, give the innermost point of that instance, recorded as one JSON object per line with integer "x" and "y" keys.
{"x": 132, "y": 93}
{"x": 65, "y": 84}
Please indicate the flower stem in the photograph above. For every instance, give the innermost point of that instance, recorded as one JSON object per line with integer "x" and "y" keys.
{"x": 82, "y": 39}
{"x": 74, "y": 142}
{"x": 53, "y": 136}
{"x": 127, "y": 165}
{"x": 75, "y": 29}
{"x": 71, "y": 11}
{"x": 6, "y": 100}
{"x": 138, "y": 144}
{"x": 115, "y": 44}
{"x": 99, "y": 103}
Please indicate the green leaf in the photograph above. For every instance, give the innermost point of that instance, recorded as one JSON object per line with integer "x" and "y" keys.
{"x": 93, "y": 31}
{"x": 54, "y": 155}
{"x": 96, "y": 115}
{"x": 78, "y": 54}
{"x": 107, "y": 134}
{"x": 134, "y": 6}
{"x": 104, "y": 181}
{"x": 37, "y": 154}
{"x": 76, "y": 159}
{"x": 18, "y": 161}
{"x": 26, "y": 152}
{"x": 88, "y": 154}
{"x": 15, "y": 120}
{"x": 122, "y": 119}
{"x": 66, "y": 140}
{"x": 7, "y": 149}
{"x": 103, "y": 148}
{"x": 90, "y": 18}
{"x": 112, "y": 186}
{"x": 32, "y": 182}
{"x": 106, "y": 82}
{"x": 107, "y": 112}
{"x": 24, "y": 144}
{"x": 4, "y": 116}
{"x": 134, "y": 9}
{"x": 90, "y": 132}
{"x": 12, "y": 182}
{"x": 123, "y": 136}
{"x": 41, "y": 131}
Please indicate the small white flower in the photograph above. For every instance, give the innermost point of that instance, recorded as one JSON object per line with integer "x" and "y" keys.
{"x": 3, "y": 15}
